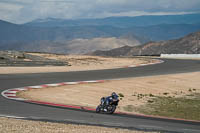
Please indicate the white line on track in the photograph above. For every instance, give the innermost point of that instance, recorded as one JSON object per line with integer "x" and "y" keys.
{"x": 10, "y": 116}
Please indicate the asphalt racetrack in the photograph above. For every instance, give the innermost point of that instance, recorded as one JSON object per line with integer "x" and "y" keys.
{"x": 46, "y": 113}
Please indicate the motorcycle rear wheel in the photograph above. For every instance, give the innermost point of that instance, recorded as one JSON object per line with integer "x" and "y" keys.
{"x": 113, "y": 108}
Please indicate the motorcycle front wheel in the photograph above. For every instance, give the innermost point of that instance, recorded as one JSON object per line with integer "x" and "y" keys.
{"x": 98, "y": 109}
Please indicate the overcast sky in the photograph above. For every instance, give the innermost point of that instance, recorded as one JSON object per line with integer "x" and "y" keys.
{"x": 21, "y": 11}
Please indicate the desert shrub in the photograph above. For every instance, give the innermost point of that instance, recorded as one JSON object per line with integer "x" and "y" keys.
{"x": 121, "y": 95}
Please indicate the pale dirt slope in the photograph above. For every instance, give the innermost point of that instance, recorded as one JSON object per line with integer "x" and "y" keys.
{"x": 136, "y": 91}
{"x": 78, "y": 63}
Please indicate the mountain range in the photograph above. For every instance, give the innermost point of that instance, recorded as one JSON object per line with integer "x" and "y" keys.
{"x": 122, "y": 22}
{"x": 88, "y": 35}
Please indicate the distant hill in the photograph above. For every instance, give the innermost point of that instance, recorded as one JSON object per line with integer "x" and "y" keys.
{"x": 189, "y": 44}
{"x": 64, "y": 40}
{"x": 165, "y": 31}
{"x": 14, "y": 32}
{"x": 122, "y": 22}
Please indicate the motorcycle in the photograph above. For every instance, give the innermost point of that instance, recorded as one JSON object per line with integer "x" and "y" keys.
{"x": 109, "y": 109}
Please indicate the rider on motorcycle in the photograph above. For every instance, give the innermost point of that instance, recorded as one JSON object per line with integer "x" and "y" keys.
{"x": 105, "y": 101}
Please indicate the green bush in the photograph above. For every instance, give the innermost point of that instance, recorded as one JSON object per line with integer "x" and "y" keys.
{"x": 121, "y": 95}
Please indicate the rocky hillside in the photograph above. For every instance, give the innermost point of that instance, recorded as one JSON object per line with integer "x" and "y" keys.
{"x": 189, "y": 44}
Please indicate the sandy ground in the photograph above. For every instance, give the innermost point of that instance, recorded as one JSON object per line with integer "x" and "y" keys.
{"x": 8, "y": 125}
{"x": 136, "y": 91}
{"x": 78, "y": 63}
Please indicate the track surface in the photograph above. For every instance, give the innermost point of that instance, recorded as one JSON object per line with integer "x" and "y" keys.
{"x": 37, "y": 112}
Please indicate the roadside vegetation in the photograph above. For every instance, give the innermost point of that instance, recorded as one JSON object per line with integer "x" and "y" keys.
{"x": 187, "y": 107}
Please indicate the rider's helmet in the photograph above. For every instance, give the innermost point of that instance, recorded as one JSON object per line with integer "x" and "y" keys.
{"x": 114, "y": 95}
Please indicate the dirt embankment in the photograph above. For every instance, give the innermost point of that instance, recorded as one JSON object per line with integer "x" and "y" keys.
{"x": 135, "y": 92}
{"x": 77, "y": 63}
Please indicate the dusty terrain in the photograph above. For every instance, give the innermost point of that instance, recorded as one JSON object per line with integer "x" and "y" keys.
{"x": 134, "y": 91}
{"x": 77, "y": 63}
{"x": 8, "y": 125}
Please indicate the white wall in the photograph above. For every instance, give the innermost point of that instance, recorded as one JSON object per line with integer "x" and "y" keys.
{"x": 196, "y": 56}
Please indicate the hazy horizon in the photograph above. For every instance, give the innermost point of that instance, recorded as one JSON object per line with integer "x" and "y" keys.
{"x": 97, "y": 18}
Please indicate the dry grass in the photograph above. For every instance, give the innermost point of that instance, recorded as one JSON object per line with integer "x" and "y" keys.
{"x": 187, "y": 107}
{"x": 8, "y": 125}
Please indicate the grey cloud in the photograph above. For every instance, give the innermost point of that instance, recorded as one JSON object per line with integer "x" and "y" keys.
{"x": 33, "y": 9}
